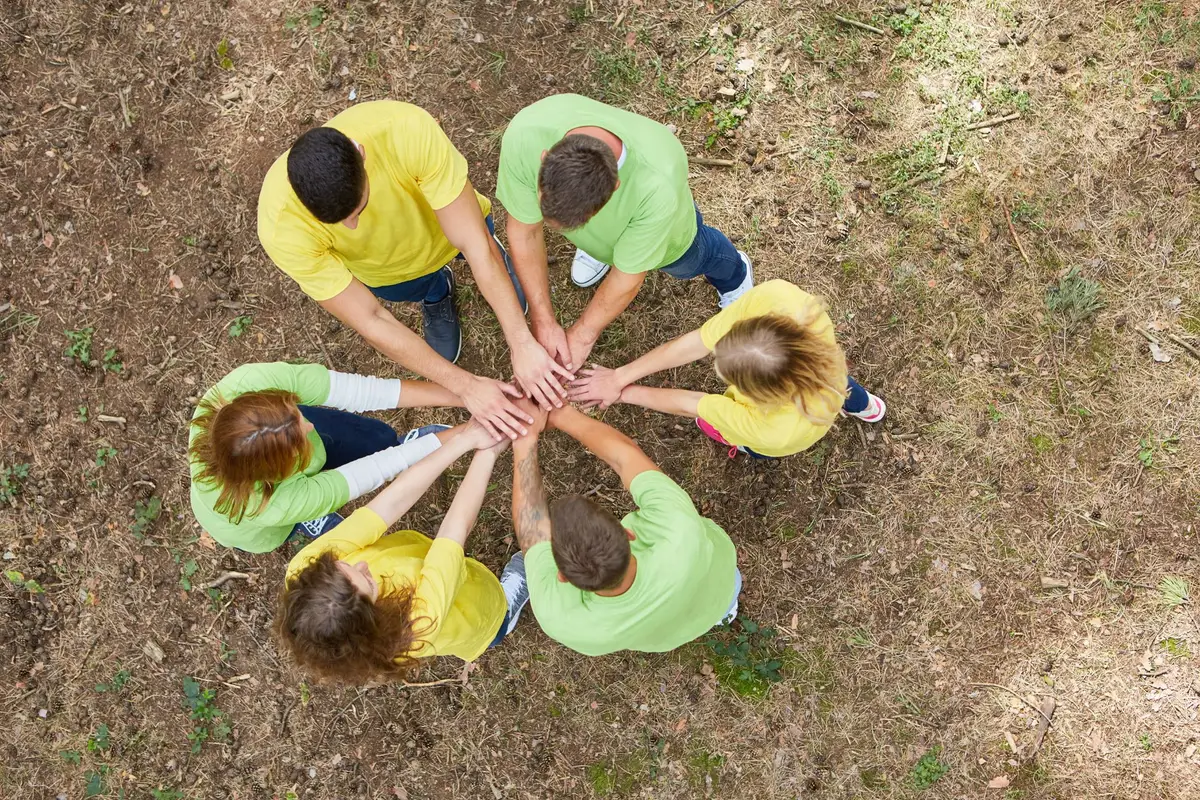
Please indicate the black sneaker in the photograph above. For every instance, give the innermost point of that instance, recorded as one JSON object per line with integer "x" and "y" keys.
{"x": 441, "y": 329}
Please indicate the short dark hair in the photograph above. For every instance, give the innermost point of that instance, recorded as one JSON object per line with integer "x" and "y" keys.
{"x": 589, "y": 544}
{"x": 327, "y": 173}
{"x": 578, "y": 176}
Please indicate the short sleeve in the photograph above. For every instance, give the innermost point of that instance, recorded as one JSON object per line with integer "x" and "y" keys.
{"x": 739, "y": 424}
{"x": 312, "y": 264}
{"x": 516, "y": 180}
{"x": 441, "y": 577}
{"x": 310, "y": 382}
{"x": 654, "y": 492}
{"x": 643, "y": 245}
{"x": 541, "y": 573}
{"x": 361, "y": 529}
{"x": 427, "y": 154}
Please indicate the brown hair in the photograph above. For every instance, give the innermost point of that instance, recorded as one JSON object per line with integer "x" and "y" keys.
{"x": 248, "y": 445}
{"x": 334, "y": 631}
{"x": 589, "y": 544}
{"x": 577, "y": 177}
{"x": 775, "y": 359}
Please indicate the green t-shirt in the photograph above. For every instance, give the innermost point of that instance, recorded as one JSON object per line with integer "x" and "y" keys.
{"x": 684, "y": 583}
{"x": 306, "y": 495}
{"x": 649, "y": 222}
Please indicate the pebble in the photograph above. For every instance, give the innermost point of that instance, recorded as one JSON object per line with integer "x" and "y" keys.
{"x": 1022, "y": 37}
{"x": 1187, "y": 63}
{"x": 862, "y": 183}
{"x": 719, "y": 67}
{"x": 899, "y": 9}
{"x": 1003, "y": 40}
{"x": 1064, "y": 36}
{"x": 1196, "y": 175}
{"x": 1059, "y": 67}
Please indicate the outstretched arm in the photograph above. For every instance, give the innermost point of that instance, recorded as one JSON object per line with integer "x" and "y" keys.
{"x": 681, "y": 402}
{"x": 531, "y": 517}
{"x": 605, "y": 442}
{"x": 601, "y": 386}
{"x": 404, "y": 492}
{"x": 460, "y": 519}
{"x": 616, "y": 292}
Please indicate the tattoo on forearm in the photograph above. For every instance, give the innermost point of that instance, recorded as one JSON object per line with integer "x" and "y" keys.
{"x": 532, "y": 518}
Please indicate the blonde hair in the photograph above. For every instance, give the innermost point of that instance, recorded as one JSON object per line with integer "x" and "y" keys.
{"x": 776, "y": 359}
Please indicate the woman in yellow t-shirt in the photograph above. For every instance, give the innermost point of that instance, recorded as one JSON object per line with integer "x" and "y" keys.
{"x": 359, "y": 605}
{"x": 776, "y": 350}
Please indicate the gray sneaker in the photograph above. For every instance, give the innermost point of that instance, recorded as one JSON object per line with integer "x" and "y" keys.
{"x": 441, "y": 329}
{"x": 516, "y": 589}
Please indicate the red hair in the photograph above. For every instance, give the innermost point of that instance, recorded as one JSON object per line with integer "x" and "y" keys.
{"x": 248, "y": 445}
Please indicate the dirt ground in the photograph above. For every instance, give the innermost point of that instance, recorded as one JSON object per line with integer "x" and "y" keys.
{"x": 1021, "y": 529}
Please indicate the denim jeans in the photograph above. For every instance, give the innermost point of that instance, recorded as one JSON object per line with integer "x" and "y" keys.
{"x": 434, "y": 287}
{"x": 711, "y": 255}
{"x": 348, "y": 437}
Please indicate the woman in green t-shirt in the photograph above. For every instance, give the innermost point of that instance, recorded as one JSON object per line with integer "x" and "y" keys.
{"x": 278, "y": 447}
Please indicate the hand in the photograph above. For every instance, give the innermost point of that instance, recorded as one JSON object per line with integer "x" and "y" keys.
{"x": 487, "y": 400}
{"x": 555, "y": 417}
{"x": 535, "y": 372}
{"x": 477, "y": 437}
{"x": 598, "y": 386}
{"x": 539, "y": 414}
{"x": 497, "y": 448}
{"x": 553, "y": 339}
{"x": 580, "y": 345}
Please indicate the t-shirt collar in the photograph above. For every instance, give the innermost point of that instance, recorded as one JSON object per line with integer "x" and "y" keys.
{"x": 621, "y": 160}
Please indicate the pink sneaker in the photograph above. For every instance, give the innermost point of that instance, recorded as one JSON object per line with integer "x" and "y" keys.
{"x": 874, "y": 411}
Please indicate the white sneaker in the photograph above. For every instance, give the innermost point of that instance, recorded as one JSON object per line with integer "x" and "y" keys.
{"x": 587, "y": 271}
{"x": 516, "y": 589}
{"x": 746, "y": 285}
{"x": 874, "y": 411}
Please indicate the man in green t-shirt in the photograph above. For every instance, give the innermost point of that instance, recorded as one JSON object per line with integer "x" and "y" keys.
{"x": 651, "y": 582}
{"x": 615, "y": 184}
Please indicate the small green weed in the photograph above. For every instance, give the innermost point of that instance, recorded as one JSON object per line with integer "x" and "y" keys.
{"x": 11, "y": 479}
{"x": 28, "y": 584}
{"x": 164, "y": 793}
{"x": 1074, "y": 299}
{"x": 209, "y": 722}
{"x": 186, "y": 570}
{"x": 905, "y": 22}
{"x": 116, "y": 683}
{"x": 1145, "y": 742}
{"x": 929, "y": 769}
{"x": 747, "y": 661}
{"x": 97, "y": 781}
{"x": 111, "y": 362}
{"x": 1176, "y": 648}
{"x": 1026, "y": 213}
{"x": 79, "y": 345}
{"x": 578, "y": 13}
{"x": 1041, "y": 443}
{"x": 71, "y": 756}
{"x": 704, "y": 771}
{"x": 496, "y": 62}
{"x": 1174, "y": 592}
{"x": 223, "y": 59}
{"x": 81, "y": 414}
{"x": 100, "y": 739}
{"x": 240, "y": 325}
{"x": 105, "y": 455}
{"x": 1149, "y": 446}
{"x": 994, "y": 413}
{"x": 1178, "y": 93}
{"x": 617, "y": 73}
{"x": 145, "y": 512}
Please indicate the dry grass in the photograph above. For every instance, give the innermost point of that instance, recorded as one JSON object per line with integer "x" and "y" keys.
{"x": 901, "y": 565}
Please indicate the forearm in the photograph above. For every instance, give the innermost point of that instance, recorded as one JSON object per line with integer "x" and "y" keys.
{"x": 492, "y": 279}
{"x": 603, "y": 441}
{"x": 614, "y": 296}
{"x": 460, "y": 519}
{"x": 402, "y": 493}
{"x": 675, "y": 353}
{"x": 527, "y": 248}
{"x": 531, "y": 517}
{"x": 680, "y": 402}
{"x": 385, "y": 333}
{"x": 423, "y": 394}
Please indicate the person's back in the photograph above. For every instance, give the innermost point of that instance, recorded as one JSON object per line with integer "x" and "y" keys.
{"x": 685, "y": 579}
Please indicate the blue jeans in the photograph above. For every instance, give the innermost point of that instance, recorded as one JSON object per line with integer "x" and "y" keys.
{"x": 434, "y": 287}
{"x": 711, "y": 255}
{"x": 348, "y": 437}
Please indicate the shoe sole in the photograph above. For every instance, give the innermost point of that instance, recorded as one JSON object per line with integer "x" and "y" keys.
{"x": 599, "y": 276}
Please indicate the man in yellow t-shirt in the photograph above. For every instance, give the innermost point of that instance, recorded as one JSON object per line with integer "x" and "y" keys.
{"x": 375, "y": 205}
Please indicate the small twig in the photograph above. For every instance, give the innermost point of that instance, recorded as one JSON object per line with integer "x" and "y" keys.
{"x": 224, "y": 578}
{"x": 711, "y": 162}
{"x": 1013, "y": 232}
{"x": 787, "y": 152}
{"x": 692, "y": 63}
{"x": 114, "y": 420}
{"x": 729, "y": 10}
{"x": 1193, "y": 352}
{"x": 1024, "y": 700}
{"x": 924, "y": 177}
{"x": 993, "y": 122}
{"x": 125, "y": 106}
{"x": 1149, "y": 336}
{"x": 1047, "y": 712}
{"x": 945, "y": 150}
{"x": 426, "y": 684}
{"x": 853, "y": 23}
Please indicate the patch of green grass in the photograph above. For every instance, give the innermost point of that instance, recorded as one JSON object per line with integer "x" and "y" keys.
{"x": 114, "y": 684}
{"x": 209, "y": 722}
{"x": 21, "y": 321}
{"x": 1006, "y": 99}
{"x": 928, "y": 770}
{"x": 1026, "y": 213}
{"x": 79, "y": 345}
{"x": 873, "y": 778}
{"x": 165, "y": 793}
{"x": 1041, "y": 443}
{"x": 1074, "y": 299}
{"x": 1174, "y": 592}
{"x": 1176, "y": 648}
{"x": 11, "y": 478}
{"x": 223, "y": 59}
{"x": 1177, "y": 93}
{"x": 578, "y": 13}
{"x": 620, "y": 776}
{"x": 145, "y": 512}
{"x": 616, "y": 73}
{"x": 746, "y": 661}
{"x": 240, "y": 325}
{"x": 704, "y": 772}
{"x": 497, "y": 61}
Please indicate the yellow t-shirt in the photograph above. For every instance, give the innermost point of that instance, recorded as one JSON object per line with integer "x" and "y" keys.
{"x": 457, "y": 600}
{"x": 412, "y": 169}
{"x": 779, "y": 430}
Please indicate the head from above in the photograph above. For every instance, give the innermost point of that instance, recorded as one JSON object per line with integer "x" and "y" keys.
{"x": 776, "y": 359}
{"x": 577, "y": 177}
{"x": 590, "y": 546}
{"x": 336, "y": 622}
{"x": 327, "y": 171}
{"x": 250, "y": 443}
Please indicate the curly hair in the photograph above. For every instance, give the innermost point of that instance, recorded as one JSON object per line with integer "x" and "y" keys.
{"x": 340, "y": 635}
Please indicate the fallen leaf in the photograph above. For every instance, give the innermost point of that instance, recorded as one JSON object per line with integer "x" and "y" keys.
{"x": 976, "y": 590}
{"x": 142, "y": 189}
{"x": 153, "y": 651}
{"x": 630, "y": 38}
{"x": 998, "y": 782}
{"x": 176, "y": 282}
{"x": 48, "y": 241}
{"x": 681, "y": 726}
{"x": 400, "y": 792}
{"x": 1156, "y": 351}
{"x": 474, "y": 84}
{"x": 206, "y": 541}
{"x": 744, "y": 65}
